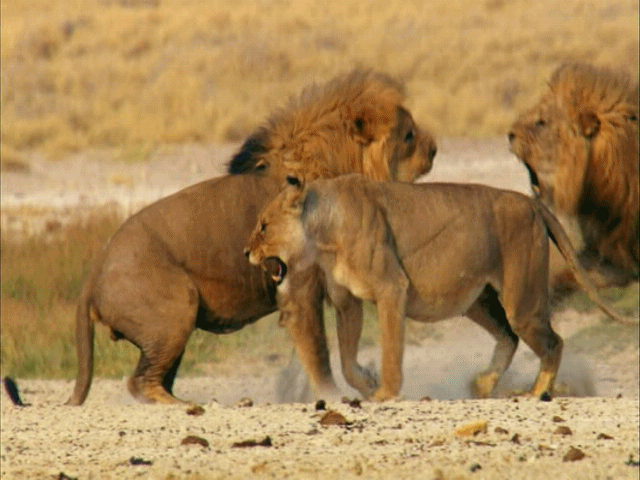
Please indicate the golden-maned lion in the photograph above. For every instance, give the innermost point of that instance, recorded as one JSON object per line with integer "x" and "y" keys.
{"x": 580, "y": 146}
{"x": 426, "y": 251}
{"x": 178, "y": 264}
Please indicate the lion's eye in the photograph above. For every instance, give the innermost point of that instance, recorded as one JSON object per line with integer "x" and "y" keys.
{"x": 541, "y": 123}
{"x": 263, "y": 226}
{"x": 409, "y": 136}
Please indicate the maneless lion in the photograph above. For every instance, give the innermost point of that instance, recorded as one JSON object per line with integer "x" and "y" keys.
{"x": 580, "y": 146}
{"x": 178, "y": 264}
{"x": 426, "y": 251}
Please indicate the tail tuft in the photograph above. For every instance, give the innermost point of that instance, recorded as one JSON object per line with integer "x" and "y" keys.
{"x": 248, "y": 158}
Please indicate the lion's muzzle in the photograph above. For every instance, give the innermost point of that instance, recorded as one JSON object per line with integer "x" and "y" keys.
{"x": 276, "y": 269}
{"x": 274, "y": 266}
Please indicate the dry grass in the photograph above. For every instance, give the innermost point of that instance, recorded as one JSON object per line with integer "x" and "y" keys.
{"x": 140, "y": 73}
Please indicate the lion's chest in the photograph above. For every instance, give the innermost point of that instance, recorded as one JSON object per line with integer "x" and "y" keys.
{"x": 345, "y": 276}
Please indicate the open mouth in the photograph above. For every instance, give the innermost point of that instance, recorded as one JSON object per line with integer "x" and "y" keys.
{"x": 276, "y": 269}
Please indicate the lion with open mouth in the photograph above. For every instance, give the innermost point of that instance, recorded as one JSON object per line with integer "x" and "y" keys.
{"x": 425, "y": 251}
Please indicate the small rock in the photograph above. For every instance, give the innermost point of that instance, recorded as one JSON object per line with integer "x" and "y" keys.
{"x": 64, "y": 476}
{"x": 563, "y": 430}
{"x": 194, "y": 440}
{"x": 266, "y": 442}
{"x": 475, "y": 467}
{"x": 573, "y": 455}
{"x": 604, "y": 436}
{"x": 139, "y": 461}
{"x": 471, "y": 429}
{"x": 321, "y": 405}
{"x": 196, "y": 410}
{"x": 557, "y": 419}
{"x": 333, "y": 418}
{"x": 501, "y": 430}
{"x": 244, "y": 402}
{"x": 515, "y": 439}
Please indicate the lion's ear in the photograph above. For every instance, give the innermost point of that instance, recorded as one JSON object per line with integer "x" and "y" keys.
{"x": 369, "y": 122}
{"x": 589, "y": 124}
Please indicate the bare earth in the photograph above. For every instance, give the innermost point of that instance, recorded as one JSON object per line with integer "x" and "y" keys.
{"x": 590, "y": 433}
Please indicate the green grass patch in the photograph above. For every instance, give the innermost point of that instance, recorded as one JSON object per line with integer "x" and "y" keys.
{"x": 624, "y": 300}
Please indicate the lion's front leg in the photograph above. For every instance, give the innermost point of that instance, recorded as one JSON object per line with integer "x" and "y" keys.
{"x": 349, "y": 326}
{"x": 302, "y": 314}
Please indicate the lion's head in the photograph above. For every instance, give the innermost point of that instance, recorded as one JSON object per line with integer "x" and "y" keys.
{"x": 279, "y": 237}
{"x": 354, "y": 123}
{"x": 580, "y": 146}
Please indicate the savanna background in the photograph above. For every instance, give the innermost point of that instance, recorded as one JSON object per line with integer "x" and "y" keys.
{"x": 125, "y": 81}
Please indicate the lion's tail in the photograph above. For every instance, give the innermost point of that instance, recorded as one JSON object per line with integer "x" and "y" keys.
{"x": 560, "y": 238}
{"x": 84, "y": 344}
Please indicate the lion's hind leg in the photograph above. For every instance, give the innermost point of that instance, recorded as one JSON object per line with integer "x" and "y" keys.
{"x": 547, "y": 345}
{"x": 150, "y": 383}
{"x": 168, "y": 322}
{"x": 487, "y": 312}
{"x": 529, "y": 317}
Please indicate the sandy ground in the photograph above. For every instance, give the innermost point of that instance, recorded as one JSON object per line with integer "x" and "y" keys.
{"x": 590, "y": 433}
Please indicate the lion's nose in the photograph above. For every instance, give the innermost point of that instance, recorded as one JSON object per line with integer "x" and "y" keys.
{"x": 247, "y": 251}
{"x": 512, "y": 137}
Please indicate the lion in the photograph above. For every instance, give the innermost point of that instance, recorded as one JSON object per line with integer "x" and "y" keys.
{"x": 427, "y": 251}
{"x": 178, "y": 264}
{"x": 580, "y": 146}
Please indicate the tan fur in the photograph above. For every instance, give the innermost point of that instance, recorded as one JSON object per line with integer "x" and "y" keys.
{"x": 178, "y": 264}
{"x": 580, "y": 144}
{"x": 351, "y": 124}
{"x": 426, "y": 251}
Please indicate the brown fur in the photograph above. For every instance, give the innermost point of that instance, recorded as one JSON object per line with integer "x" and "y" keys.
{"x": 178, "y": 264}
{"x": 580, "y": 145}
{"x": 426, "y": 251}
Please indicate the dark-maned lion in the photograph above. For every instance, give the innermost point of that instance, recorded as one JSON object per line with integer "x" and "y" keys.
{"x": 580, "y": 146}
{"x": 426, "y": 251}
{"x": 178, "y": 264}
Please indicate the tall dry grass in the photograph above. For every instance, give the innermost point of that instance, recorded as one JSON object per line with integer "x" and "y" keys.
{"x": 117, "y": 73}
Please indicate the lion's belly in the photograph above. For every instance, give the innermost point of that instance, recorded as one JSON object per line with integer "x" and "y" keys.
{"x": 438, "y": 305}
